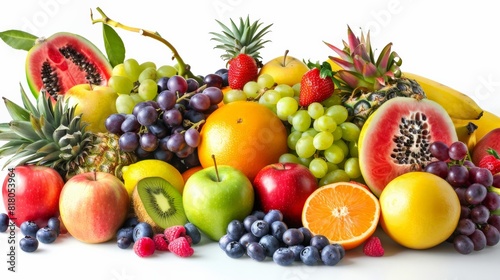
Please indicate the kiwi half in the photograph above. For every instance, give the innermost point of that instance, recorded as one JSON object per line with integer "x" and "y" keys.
{"x": 157, "y": 202}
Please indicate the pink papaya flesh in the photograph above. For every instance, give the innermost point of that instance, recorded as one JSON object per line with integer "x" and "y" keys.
{"x": 63, "y": 60}
{"x": 395, "y": 139}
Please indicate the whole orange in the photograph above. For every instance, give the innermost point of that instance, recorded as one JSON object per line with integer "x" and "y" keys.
{"x": 243, "y": 134}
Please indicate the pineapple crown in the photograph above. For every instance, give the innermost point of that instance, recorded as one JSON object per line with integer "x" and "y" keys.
{"x": 359, "y": 67}
{"x": 244, "y": 38}
{"x": 45, "y": 134}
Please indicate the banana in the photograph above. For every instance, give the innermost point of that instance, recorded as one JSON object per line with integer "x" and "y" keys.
{"x": 466, "y": 133}
{"x": 457, "y": 104}
{"x": 485, "y": 124}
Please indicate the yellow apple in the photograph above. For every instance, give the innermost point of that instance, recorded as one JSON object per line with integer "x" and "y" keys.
{"x": 94, "y": 103}
{"x": 285, "y": 69}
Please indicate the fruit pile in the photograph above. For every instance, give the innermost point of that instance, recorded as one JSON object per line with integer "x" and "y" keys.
{"x": 285, "y": 160}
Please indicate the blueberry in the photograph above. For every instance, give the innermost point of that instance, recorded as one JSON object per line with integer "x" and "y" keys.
{"x": 130, "y": 222}
{"x": 260, "y": 228}
{"x": 293, "y": 236}
{"x": 248, "y": 221}
{"x": 310, "y": 255}
{"x": 193, "y": 232}
{"x": 330, "y": 255}
{"x": 124, "y": 242}
{"x": 256, "y": 251}
{"x": 307, "y": 235}
{"x": 278, "y": 228}
{"x": 54, "y": 224}
{"x": 247, "y": 238}
{"x": 46, "y": 235}
{"x": 296, "y": 249}
{"x": 341, "y": 249}
{"x": 28, "y": 244}
{"x": 258, "y": 214}
{"x": 235, "y": 250}
{"x": 319, "y": 241}
{"x": 270, "y": 244}
{"x": 224, "y": 240}
{"x": 127, "y": 232}
{"x": 4, "y": 222}
{"x": 143, "y": 229}
{"x": 29, "y": 228}
{"x": 273, "y": 215}
{"x": 235, "y": 229}
{"x": 283, "y": 256}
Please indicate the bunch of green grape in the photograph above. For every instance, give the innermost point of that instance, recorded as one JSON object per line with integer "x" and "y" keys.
{"x": 136, "y": 83}
{"x": 320, "y": 137}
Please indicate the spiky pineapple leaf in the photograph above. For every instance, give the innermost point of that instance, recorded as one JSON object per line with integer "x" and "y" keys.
{"x": 16, "y": 112}
{"x": 23, "y": 129}
{"x": 28, "y": 105}
{"x": 47, "y": 128}
{"x": 35, "y": 123}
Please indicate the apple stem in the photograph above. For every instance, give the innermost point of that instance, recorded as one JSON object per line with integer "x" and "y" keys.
{"x": 284, "y": 57}
{"x": 216, "y": 170}
{"x": 95, "y": 175}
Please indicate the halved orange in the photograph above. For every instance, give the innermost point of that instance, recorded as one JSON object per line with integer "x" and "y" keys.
{"x": 344, "y": 212}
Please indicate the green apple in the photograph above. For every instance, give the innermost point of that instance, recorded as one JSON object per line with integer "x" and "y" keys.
{"x": 214, "y": 196}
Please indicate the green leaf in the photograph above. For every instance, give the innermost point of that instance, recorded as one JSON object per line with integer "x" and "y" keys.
{"x": 115, "y": 49}
{"x": 16, "y": 112}
{"x": 18, "y": 39}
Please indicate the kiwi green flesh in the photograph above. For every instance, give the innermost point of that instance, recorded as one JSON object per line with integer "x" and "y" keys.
{"x": 158, "y": 203}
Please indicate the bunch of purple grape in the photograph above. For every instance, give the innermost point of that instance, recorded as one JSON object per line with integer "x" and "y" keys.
{"x": 168, "y": 128}
{"x": 478, "y": 226}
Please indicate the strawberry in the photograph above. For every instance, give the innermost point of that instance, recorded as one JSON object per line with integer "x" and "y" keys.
{"x": 491, "y": 162}
{"x": 316, "y": 84}
{"x": 242, "y": 69}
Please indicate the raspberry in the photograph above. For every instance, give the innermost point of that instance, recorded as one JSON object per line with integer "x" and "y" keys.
{"x": 161, "y": 242}
{"x": 373, "y": 247}
{"x": 181, "y": 247}
{"x": 144, "y": 247}
{"x": 174, "y": 232}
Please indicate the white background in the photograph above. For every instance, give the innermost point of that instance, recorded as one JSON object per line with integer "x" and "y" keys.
{"x": 453, "y": 42}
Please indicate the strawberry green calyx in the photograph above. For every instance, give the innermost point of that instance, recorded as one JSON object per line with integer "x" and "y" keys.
{"x": 494, "y": 153}
{"x": 325, "y": 70}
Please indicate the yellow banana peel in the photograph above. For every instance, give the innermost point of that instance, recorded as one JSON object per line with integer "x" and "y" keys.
{"x": 485, "y": 124}
{"x": 466, "y": 133}
{"x": 457, "y": 104}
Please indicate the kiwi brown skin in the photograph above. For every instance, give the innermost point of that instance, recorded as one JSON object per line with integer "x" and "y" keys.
{"x": 148, "y": 210}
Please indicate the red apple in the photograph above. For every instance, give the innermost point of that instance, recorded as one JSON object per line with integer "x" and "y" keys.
{"x": 93, "y": 206}
{"x": 285, "y": 187}
{"x": 490, "y": 140}
{"x": 31, "y": 192}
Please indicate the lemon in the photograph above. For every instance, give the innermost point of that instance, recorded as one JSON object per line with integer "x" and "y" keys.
{"x": 419, "y": 210}
{"x": 151, "y": 168}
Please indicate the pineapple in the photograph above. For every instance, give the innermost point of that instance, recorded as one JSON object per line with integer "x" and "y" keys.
{"x": 246, "y": 38}
{"x": 49, "y": 134}
{"x": 366, "y": 83}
